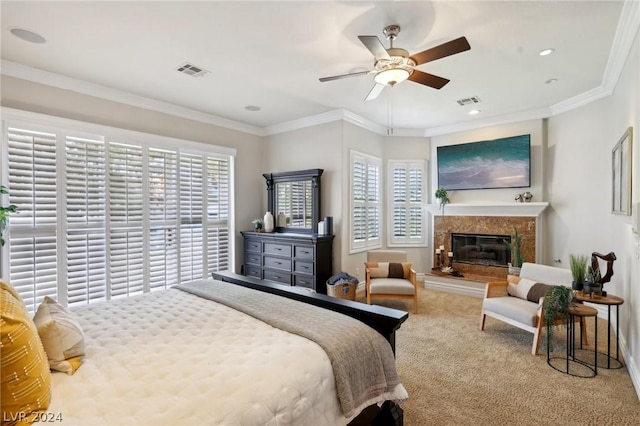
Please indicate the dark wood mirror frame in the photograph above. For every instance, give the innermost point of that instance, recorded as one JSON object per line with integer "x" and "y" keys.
{"x": 312, "y": 175}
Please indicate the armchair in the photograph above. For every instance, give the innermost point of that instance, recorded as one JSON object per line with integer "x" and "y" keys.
{"x": 390, "y": 276}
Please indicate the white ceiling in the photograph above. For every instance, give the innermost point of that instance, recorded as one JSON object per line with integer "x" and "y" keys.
{"x": 271, "y": 54}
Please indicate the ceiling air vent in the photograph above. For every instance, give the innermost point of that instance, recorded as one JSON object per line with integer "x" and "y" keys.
{"x": 469, "y": 101}
{"x": 193, "y": 70}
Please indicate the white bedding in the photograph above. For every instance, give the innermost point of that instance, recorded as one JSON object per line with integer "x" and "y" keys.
{"x": 195, "y": 362}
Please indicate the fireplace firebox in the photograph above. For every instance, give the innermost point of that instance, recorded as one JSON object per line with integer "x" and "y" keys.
{"x": 479, "y": 249}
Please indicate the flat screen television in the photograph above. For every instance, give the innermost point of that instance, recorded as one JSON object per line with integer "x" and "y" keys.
{"x": 499, "y": 163}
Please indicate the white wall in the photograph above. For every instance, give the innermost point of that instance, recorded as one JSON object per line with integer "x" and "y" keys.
{"x": 579, "y": 186}
{"x": 249, "y": 184}
{"x": 317, "y": 147}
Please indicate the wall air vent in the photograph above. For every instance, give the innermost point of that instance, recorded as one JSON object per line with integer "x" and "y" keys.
{"x": 193, "y": 70}
{"x": 469, "y": 101}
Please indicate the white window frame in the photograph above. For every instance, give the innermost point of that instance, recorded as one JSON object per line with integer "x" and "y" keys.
{"x": 62, "y": 128}
{"x": 360, "y": 245}
{"x": 407, "y": 241}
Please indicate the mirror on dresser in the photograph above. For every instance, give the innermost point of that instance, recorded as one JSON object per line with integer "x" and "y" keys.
{"x": 294, "y": 200}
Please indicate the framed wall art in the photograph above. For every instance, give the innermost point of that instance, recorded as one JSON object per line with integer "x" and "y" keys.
{"x": 621, "y": 179}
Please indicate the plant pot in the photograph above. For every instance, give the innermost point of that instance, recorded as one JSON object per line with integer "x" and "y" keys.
{"x": 592, "y": 287}
{"x": 577, "y": 285}
{"x": 514, "y": 270}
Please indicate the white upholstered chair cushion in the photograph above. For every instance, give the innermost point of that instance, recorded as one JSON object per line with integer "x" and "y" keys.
{"x": 391, "y": 286}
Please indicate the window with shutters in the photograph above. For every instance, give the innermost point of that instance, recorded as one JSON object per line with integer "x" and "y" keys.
{"x": 102, "y": 218}
{"x": 365, "y": 198}
{"x": 406, "y": 208}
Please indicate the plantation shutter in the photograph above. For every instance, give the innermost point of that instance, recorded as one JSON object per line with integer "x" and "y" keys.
{"x": 86, "y": 218}
{"x": 365, "y": 202}
{"x": 125, "y": 215}
{"x": 32, "y": 184}
{"x": 407, "y": 221}
{"x": 101, "y": 219}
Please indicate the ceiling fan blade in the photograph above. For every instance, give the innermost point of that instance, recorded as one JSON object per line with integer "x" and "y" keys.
{"x": 375, "y": 92}
{"x": 446, "y": 49}
{"x": 337, "y": 77}
{"x": 428, "y": 79}
{"x": 375, "y": 46}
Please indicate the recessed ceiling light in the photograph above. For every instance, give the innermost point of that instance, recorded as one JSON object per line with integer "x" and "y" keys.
{"x": 27, "y": 35}
{"x": 551, "y": 81}
{"x": 474, "y": 111}
{"x": 252, "y": 108}
{"x": 546, "y": 52}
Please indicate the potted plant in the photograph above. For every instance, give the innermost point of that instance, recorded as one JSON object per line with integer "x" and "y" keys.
{"x": 556, "y": 304}
{"x": 443, "y": 196}
{"x": 257, "y": 224}
{"x": 578, "y": 265}
{"x": 516, "y": 253}
{"x": 5, "y": 211}
{"x": 592, "y": 282}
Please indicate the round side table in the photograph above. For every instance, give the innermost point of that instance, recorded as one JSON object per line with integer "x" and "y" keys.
{"x": 590, "y": 370}
{"x": 609, "y": 300}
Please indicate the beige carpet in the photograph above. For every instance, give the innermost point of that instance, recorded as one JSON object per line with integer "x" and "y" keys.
{"x": 458, "y": 375}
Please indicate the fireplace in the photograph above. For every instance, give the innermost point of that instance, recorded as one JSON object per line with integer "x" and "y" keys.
{"x": 481, "y": 249}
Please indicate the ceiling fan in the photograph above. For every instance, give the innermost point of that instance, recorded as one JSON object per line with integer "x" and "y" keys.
{"x": 394, "y": 65}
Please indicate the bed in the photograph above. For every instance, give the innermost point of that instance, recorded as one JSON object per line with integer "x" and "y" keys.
{"x": 177, "y": 357}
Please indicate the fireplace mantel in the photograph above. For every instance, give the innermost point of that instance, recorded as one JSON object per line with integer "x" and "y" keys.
{"x": 489, "y": 209}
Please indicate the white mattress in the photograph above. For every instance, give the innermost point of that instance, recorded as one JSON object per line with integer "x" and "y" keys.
{"x": 172, "y": 358}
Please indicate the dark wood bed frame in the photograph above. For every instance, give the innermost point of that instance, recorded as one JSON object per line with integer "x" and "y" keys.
{"x": 384, "y": 320}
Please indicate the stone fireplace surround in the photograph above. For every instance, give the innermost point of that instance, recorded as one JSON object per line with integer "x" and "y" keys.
{"x": 496, "y": 219}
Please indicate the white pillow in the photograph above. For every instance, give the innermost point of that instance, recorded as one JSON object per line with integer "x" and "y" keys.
{"x": 61, "y": 336}
{"x": 523, "y": 287}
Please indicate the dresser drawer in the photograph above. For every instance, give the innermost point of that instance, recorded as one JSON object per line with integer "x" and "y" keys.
{"x": 303, "y": 267}
{"x": 278, "y": 249}
{"x": 277, "y": 263}
{"x": 303, "y": 252}
{"x": 252, "y": 245}
{"x": 304, "y": 281}
{"x": 281, "y": 277}
{"x": 252, "y": 271}
{"x": 252, "y": 258}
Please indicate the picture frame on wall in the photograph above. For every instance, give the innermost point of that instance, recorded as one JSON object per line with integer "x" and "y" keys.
{"x": 621, "y": 157}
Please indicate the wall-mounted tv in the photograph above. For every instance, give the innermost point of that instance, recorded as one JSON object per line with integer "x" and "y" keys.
{"x": 499, "y": 163}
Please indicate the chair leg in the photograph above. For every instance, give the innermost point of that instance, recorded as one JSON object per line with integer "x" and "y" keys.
{"x": 536, "y": 338}
{"x": 482, "y": 318}
{"x": 368, "y": 298}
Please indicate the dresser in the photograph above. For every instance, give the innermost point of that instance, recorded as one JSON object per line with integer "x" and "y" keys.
{"x": 303, "y": 260}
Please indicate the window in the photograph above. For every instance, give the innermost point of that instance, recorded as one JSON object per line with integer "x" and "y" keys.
{"x": 406, "y": 208}
{"x": 104, "y": 217}
{"x": 365, "y": 202}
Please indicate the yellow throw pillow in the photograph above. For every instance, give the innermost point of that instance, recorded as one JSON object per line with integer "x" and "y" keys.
{"x": 24, "y": 370}
{"x": 61, "y": 336}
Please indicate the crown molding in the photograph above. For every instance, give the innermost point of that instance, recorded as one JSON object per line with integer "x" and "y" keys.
{"x": 13, "y": 69}
{"x": 628, "y": 27}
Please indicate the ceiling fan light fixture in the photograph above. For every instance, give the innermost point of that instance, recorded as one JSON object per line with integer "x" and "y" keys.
{"x": 392, "y": 76}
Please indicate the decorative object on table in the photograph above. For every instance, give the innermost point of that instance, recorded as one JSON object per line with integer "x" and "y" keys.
{"x": 592, "y": 282}
{"x": 5, "y": 211}
{"x": 443, "y": 196}
{"x": 527, "y": 197}
{"x": 556, "y": 305}
{"x": 621, "y": 158}
{"x": 519, "y": 198}
{"x": 257, "y": 224}
{"x": 609, "y": 258}
{"x": 439, "y": 258}
{"x": 450, "y": 257}
{"x": 268, "y": 222}
{"x": 328, "y": 225}
{"x": 516, "y": 253}
{"x": 282, "y": 220}
{"x": 578, "y": 264}
{"x": 343, "y": 286}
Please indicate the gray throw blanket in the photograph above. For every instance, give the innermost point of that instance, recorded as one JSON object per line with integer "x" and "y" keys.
{"x": 363, "y": 363}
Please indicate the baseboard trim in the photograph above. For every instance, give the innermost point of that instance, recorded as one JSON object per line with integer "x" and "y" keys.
{"x": 632, "y": 367}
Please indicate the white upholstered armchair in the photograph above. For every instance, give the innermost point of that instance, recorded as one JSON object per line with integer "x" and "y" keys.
{"x": 390, "y": 276}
